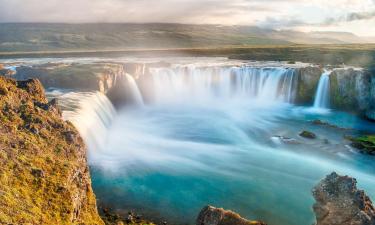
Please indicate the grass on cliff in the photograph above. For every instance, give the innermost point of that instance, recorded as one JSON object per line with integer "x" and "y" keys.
{"x": 43, "y": 173}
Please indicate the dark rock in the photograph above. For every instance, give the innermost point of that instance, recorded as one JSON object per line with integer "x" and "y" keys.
{"x": 339, "y": 202}
{"x": 319, "y": 122}
{"x": 365, "y": 144}
{"x": 38, "y": 173}
{"x": 70, "y": 136}
{"x": 307, "y": 134}
{"x": 308, "y": 78}
{"x": 214, "y": 216}
{"x": 350, "y": 89}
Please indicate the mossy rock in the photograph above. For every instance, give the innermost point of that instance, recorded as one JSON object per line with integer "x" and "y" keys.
{"x": 307, "y": 134}
{"x": 365, "y": 144}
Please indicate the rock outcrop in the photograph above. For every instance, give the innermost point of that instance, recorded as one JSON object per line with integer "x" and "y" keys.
{"x": 44, "y": 177}
{"x": 308, "y": 78}
{"x": 91, "y": 77}
{"x": 350, "y": 89}
{"x": 339, "y": 202}
{"x": 365, "y": 144}
{"x": 216, "y": 216}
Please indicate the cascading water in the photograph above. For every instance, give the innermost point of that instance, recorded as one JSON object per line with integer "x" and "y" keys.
{"x": 91, "y": 114}
{"x": 323, "y": 91}
{"x": 134, "y": 91}
{"x": 190, "y": 83}
{"x": 167, "y": 162}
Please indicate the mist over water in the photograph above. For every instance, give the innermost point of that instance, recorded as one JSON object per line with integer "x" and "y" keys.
{"x": 215, "y": 135}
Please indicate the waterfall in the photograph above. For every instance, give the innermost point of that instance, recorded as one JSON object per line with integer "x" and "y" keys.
{"x": 190, "y": 83}
{"x": 322, "y": 92}
{"x": 134, "y": 92}
{"x": 91, "y": 114}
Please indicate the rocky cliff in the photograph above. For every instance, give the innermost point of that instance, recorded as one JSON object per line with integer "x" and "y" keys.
{"x": 350, "y": 89}
{"x": 92, "y": 77}
{"x": 44, "y": 177}
{"x": 339, "y": 202}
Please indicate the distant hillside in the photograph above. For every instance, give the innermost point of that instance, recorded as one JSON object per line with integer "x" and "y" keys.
{"x": 59, "y": 37}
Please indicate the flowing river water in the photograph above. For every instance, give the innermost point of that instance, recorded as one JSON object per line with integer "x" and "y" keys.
{"x": 196, "y": 136}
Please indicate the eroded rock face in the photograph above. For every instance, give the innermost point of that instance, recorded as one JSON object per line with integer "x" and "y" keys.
{"x": 44, "y": 177}
{"x": 350, "y": 89}
{"x": 216, "y": 216}
{"x": 308, "y": 78}
{"x": 339, "y": 202}
{"x": 91, "y": 77}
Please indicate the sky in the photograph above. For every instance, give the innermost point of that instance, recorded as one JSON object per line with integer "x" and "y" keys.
{"x": 356, "y": 16}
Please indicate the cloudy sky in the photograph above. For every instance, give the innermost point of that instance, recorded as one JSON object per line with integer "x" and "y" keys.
{"x": 357, "y": 16}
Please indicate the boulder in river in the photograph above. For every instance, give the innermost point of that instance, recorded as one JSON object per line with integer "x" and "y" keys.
{"x": 366, "y": 144}
{"x": 307, "y": 134}
{"x": 339, "y": 202}
{"x": 217, "y": 216}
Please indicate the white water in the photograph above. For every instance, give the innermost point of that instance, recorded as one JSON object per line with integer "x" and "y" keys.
{"x": 135, "y": 93}
{"x": 207, "y": 84}
{"x": 91, "y": 114}
{"x": 212, "y": 144}
{"x": 323, "y": 92}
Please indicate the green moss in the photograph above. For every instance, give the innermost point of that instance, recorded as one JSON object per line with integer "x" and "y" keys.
{"x": 365, "y": 143}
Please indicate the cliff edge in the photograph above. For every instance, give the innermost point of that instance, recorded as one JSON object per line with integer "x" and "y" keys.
{"x": 44, "y": 178}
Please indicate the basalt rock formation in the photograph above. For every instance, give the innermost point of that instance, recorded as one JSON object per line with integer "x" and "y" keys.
{"x": 91, "y": 77}
{"x": 44, "y": 177}
{"x": 339, "y": 202}
{"x": 216, "y": 216}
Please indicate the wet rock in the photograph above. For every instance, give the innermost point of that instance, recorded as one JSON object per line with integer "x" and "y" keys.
{"x": 307, "y": 134}
{"x": 350, "y": 89}
{"x": 286, "y": 140}
{"x": 308, "y": 78}
{"x": 70, "y": 136}
{"x": 339, "y": 202}
{"x": 216, "y": 216}
{"x": 365, "y": 144}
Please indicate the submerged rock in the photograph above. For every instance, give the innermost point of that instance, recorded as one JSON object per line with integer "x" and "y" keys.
{"x": 339, "y": 202}
{"x": 307, "y": 134}
{"x": 286, "y": 140}
{"x": 216, "y": 216}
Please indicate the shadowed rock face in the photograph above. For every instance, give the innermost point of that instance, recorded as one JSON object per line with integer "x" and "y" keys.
{"x": 214, "y": 216}
{"x": 339, "y": 202}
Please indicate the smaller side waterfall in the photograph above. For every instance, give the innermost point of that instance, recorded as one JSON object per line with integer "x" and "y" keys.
{"x": 323, "y": 91}
{"x": 134, "y": 92}
{"x": 91, "y": 114}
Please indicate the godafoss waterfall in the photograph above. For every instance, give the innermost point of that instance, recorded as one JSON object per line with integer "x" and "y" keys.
{"x": 217, "y": 132}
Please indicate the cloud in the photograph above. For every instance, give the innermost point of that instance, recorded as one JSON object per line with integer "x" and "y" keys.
{"x": 279, "y": 14}
{"x": 353, "y": 16}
